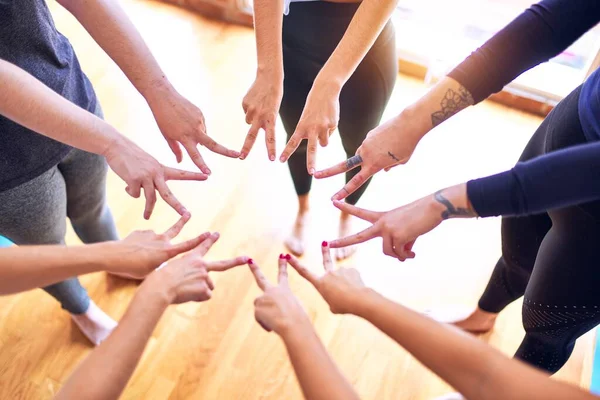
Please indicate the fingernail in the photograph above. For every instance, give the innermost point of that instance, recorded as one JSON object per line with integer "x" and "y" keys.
{"x": 272, "y": 158}
{"x": 250, "y": 261}
{"x": 216, "y": 234}
{"x": 324, "y": 244}
{"x": 288, "y": 257}
{"x": 311, "y": 171}
{"x": 208, "y": 171}
{"x": 282, "y": 159}
{"x": 280, "y": 256}
{"x": 242, "y": 156}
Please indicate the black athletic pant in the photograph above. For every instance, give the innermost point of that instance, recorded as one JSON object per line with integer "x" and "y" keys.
{"x": 552, "y": 258}
{"x": 311, "y": 32}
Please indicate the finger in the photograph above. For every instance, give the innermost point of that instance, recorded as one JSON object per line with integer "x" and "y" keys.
{"x": 169, "y": 197}
{"x": 261, "y": 280}
{"x": 188, "y": 244}
{"x": 357, "y": 181}
{"x": 324, "y": 139}
{"x": 215, "y": 147}
{"x": 408, "y": 248}
{"x": 250, "y": 139}
{"x": 291, "y": 147}
{"x": 176, "y": 149}
{"x": 196, "y": 157}
{"x": 133, "y": 190}
{"x": 174, "y": 174}
{"x": 302, "y": 270}
{"x": 361, "y": 213}
{"x": 360, "y": 237}
{"x": 174, "y": 230}
{"x": 264, "y": 326}
{"x": 327, "y": 261}
{"x": 150, "y": 199}
{"x": 205, "y": 246}
{"x": 210, "y": 283}
{"x": 388, "y": 248}
{"x": 311, "y": 154}
{"x": 270, "y": 139}
{"x": 224, "y": 265}
{"x": 282, "y": 276}
{"x": 337, "y": 169}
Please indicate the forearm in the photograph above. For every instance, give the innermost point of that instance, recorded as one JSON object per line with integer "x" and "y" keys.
{"x": 29, "y": 267}
{"x": 111, "y": 28}
{"x": 475, "y": 369}
{"x": 319, "y": 377}
{"x": 268, "y": 23}
{"x": 30, "y": 103}
{"x": 365, "y": 27}
{"x": 105, "y": 373}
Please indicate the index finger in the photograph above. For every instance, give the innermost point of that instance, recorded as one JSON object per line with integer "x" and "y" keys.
{"x": 282, "y": 276}
{"x": 196, "y": 157}
{"x": 311, "y": 153}
{"x": 224, "y": 265}
{"x": 205, "y": 246}
{"x": 150, "y": 198}
{"x": 215, "y": 147}
{"x": 174, "y": 174}
{"x": 170, "y": 198}
{"x": 359, "y": 237}
{"x": 361, "y": 213}
{"x": 302, "y": 270}
{"x": 290, "y": 147}
{"x": 270, "y": 140}
{"x": 174, "y": 230}
{"x": 250, "y": 139}
{"x": 327, "y": 262}
{"x": 357, "y": 181}
{"x": 261, "y": 280}
{"x": 344, "y": 166}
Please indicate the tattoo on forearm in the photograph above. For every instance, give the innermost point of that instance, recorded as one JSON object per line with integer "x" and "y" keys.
{"x": 353, "y": 161}
{"x": 452, "y": 102}
{"x": 393, "y": 156}
{"x": 451, "y": 211}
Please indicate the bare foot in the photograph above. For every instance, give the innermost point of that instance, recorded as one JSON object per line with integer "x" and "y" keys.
{"x": 295, "y": 242}
{"x": 95, "y": 324}
{"x": 478, "y": 321}
{"x": 345, "y": 229}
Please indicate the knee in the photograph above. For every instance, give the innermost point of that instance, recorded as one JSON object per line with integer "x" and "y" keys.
{"x": 546, "y": 350}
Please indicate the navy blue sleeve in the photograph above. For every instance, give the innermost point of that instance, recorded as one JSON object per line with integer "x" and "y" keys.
{"x": 538, "y": 34}
{"x": 562, "y": 178}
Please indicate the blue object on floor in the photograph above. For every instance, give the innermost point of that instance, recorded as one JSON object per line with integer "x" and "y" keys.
{"x": 4, "y": 242}
{"x": 595, "y": 384}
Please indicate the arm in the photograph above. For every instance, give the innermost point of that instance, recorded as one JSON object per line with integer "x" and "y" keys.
{"x": 179, "y": 120}
{"x": 474, "y": 368}
{"x": 28, "y": 267}
{"x": 261, "y": 103}
{"x": 105, "y": 373}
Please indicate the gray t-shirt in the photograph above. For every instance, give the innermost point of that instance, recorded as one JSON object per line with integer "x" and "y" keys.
{"x": 29, "y": 39}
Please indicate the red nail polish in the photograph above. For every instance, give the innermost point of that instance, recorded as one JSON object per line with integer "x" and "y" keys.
{"x": 281, "y": 257}
{"x": 250, "y": 261}
{"x": 288, "y": 257}
{"x": 324, "y": 244}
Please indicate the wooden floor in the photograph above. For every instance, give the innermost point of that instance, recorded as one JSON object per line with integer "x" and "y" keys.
{"x": 215, "y": 350}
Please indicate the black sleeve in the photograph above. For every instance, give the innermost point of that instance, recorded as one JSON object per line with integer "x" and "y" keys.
{"x": 538, "y": 34}
{"x": 559, "y": 179}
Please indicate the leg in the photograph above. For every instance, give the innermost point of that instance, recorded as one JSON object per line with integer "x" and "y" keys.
{"x": 295, "y": 91}
{"x": 561, "y": 300}
{"x": 362, "y": 103}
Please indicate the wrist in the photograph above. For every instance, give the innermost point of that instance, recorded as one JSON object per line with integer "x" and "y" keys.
{"x": 298, "y": 329}
{"x": 157, "y": 91}
{"x": 157, "y": 286}
{"x": 330, "y": 84}
{"x": 452, "y": 202}
{"x": 271, "y": 70}
{"x": 366, "y": 304}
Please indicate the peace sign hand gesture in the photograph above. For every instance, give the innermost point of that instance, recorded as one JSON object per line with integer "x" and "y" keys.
{"x": 341, "y": 288}
{"x": 277, "y": 309}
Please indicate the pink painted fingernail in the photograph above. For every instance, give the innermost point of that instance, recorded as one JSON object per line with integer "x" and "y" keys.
{"x": 288, "y": 257}
{"x": 272, "y": 158}
{"x": 324, "y": 244}
{"x": 282, "y": 159}
{"x": 250, "y": 261}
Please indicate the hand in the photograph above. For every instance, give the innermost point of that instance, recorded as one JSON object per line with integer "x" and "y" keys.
{"x": 277, "y": 309}
{"x": 142, "y": 252}
{"x": 182, "y": 123}
{"x": 340, "y": 288}
{"x": 261, "y": 105}
{"x": 140, "y": 170}
{"x": 186, "y": 279}
{"x": 318, "y": 121}
{"x": 385, "y": 147}
{"x": 401, "y": 227}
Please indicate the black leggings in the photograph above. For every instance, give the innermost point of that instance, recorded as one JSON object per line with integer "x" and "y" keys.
{"x": 552, "y": 258}
{"x": 311, "y": 32}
